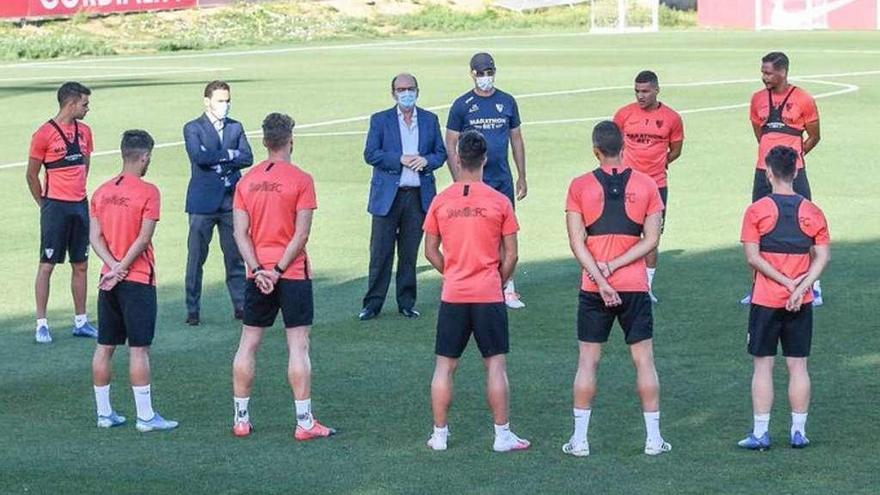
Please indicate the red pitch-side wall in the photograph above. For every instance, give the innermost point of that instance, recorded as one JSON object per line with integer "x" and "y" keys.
{"x": 859, "y": 14}
{"x": 18, "y": 9}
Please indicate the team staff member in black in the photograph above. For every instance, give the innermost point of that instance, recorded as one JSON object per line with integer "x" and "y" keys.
{"x": 495, "y": 115}
{"x": 63, "y": 146}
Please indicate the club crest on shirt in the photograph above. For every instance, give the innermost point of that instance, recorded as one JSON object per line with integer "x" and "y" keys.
{"x": 659, "y": 123}
{"x": 474, "y": 108}
{"x": 630, "y": 197}
{"x": 788, "y": 106}
{"x": 499, "y": 107}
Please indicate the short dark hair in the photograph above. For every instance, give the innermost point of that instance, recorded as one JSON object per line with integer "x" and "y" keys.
{"x": 135, "y": 142}
{"x": 471, "y": 149}
{"x": 607, "y": 138}
{"x": 647, "y": 76}
{"x": 778, "y": 59}
{"x": 277, "y": 130}
{"x": 214, "y": 86}
{"x": 71, "y": 90}
{"x": 394, "y": 80}
{"x": 782, "y": 161}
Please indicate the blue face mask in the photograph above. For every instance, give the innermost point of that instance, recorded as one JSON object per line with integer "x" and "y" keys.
{"x": 407, "y": 99}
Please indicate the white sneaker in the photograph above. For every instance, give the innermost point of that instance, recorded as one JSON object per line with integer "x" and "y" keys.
{"x": 657, "y": 449}
{"x": 42, "y": 335}
{"x": 653, "y": 297}
{"x": 577, "y": 449}
{"x": 509, "y": 443}
{"x": 817, "y": 295}
{"x": 746, "y": 300}
{"x": 437, "y": 442}
{"x": 512, "y": 300}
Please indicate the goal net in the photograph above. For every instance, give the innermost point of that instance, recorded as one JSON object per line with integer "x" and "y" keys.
{"x": 624, "y": 16}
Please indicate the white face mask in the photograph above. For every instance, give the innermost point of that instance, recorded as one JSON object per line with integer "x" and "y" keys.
{"x": 220, "y": 109}
{"x": 486, "y": 83}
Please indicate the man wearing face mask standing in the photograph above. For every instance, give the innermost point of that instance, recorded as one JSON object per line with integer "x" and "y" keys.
{"x": 495, "y": 115}
{"x": 218, "y": 149}
{"x": 404, "y": 147}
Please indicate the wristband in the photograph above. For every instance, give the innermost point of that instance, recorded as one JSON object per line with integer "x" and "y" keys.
{"x": 256, "y": 269}
{"x": 278, "y": 270}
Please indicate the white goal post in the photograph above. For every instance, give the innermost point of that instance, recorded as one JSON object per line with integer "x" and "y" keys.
{"x": 624, "y": 16}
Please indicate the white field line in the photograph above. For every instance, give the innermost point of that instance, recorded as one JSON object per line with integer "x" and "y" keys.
{"x": 394, "y": 44}
{"x": 847, "y": 88}
{"x": 124, "y": 75}
{"x": 294, "y": 49}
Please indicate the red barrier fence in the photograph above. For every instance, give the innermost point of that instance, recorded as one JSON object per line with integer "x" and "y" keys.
{"x": 25, "y": 9}
{"x": 790, "y": 14}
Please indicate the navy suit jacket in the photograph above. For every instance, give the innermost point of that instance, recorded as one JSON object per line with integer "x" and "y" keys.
{"x": 384, "y": 149}
{"x": 207, "y": 188}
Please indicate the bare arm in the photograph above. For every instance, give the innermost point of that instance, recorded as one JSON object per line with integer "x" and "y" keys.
{"x": 148, "y": 227}
{"x": 820, "y": 259}
{"x": 756, "y": 261}
{"x": 511, "y": 256}
{"x": 519, "y": 157}
{"x": 452, "y": 152}
{"x": 241, "y": 225}
{"x": 757, "y": 130}
{"x": 99, "y": 245}
{"x": 577, "y": 236}
{"x": 650, "y": 239}
{"x": 674, "y": 151}
{"x": 299, "y": 239}
{"x": 432, "y": 251}
{"x": 33, "y": 179}
{"x": 813, "y": 136}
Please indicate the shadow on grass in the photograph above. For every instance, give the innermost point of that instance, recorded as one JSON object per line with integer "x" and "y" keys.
{"x": 371, "y": 380}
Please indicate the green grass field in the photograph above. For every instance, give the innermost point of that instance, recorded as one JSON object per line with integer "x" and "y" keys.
{"x": 371, "y": 379}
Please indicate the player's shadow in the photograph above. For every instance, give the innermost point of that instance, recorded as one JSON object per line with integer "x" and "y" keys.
{"x": 699, "y": 335}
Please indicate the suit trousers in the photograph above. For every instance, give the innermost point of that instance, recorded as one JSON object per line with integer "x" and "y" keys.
{"x": 401, "y": 227}
{"x": 201, "y": 230}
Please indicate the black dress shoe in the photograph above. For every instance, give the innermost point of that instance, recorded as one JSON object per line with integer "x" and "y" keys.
{"x": 367, "y": 314}
{"x": 410, "y": 313}
{"x": 239, "y": 314}
{"x": 192, "y": 319}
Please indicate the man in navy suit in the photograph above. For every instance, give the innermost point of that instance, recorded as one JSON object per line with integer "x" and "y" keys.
{"x": 404, "y": 147}
{"x": 218, "y": 149}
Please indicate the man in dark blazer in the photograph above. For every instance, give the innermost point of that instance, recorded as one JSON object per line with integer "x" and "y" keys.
{"x": 404, "y": 147}
{"x": 218, "y": 149}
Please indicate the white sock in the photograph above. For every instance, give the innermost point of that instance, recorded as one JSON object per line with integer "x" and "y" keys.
{"x": 241, "y": 409}
{"x": 652, "y": 427}
{"x": 304, "y": 413}
{"x": 502, "y": 431}
{"x": 650, "y": 272}
{"x": 441, "y": 432}
{"x": 509, "y": 288}
{"x": 102, "y": 400}
{"x": 581, "y": 424}
{"x": 144, "y": 402}
{"x": 817, "y": 286}
{"x": 42, "y": 322}
{"x": 80, "y": 320}
{"x": 798, "y": 423}
{"x": 762, "y": 422}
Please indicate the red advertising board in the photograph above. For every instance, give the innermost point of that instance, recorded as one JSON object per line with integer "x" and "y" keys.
{"x": 19, "y": 9}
